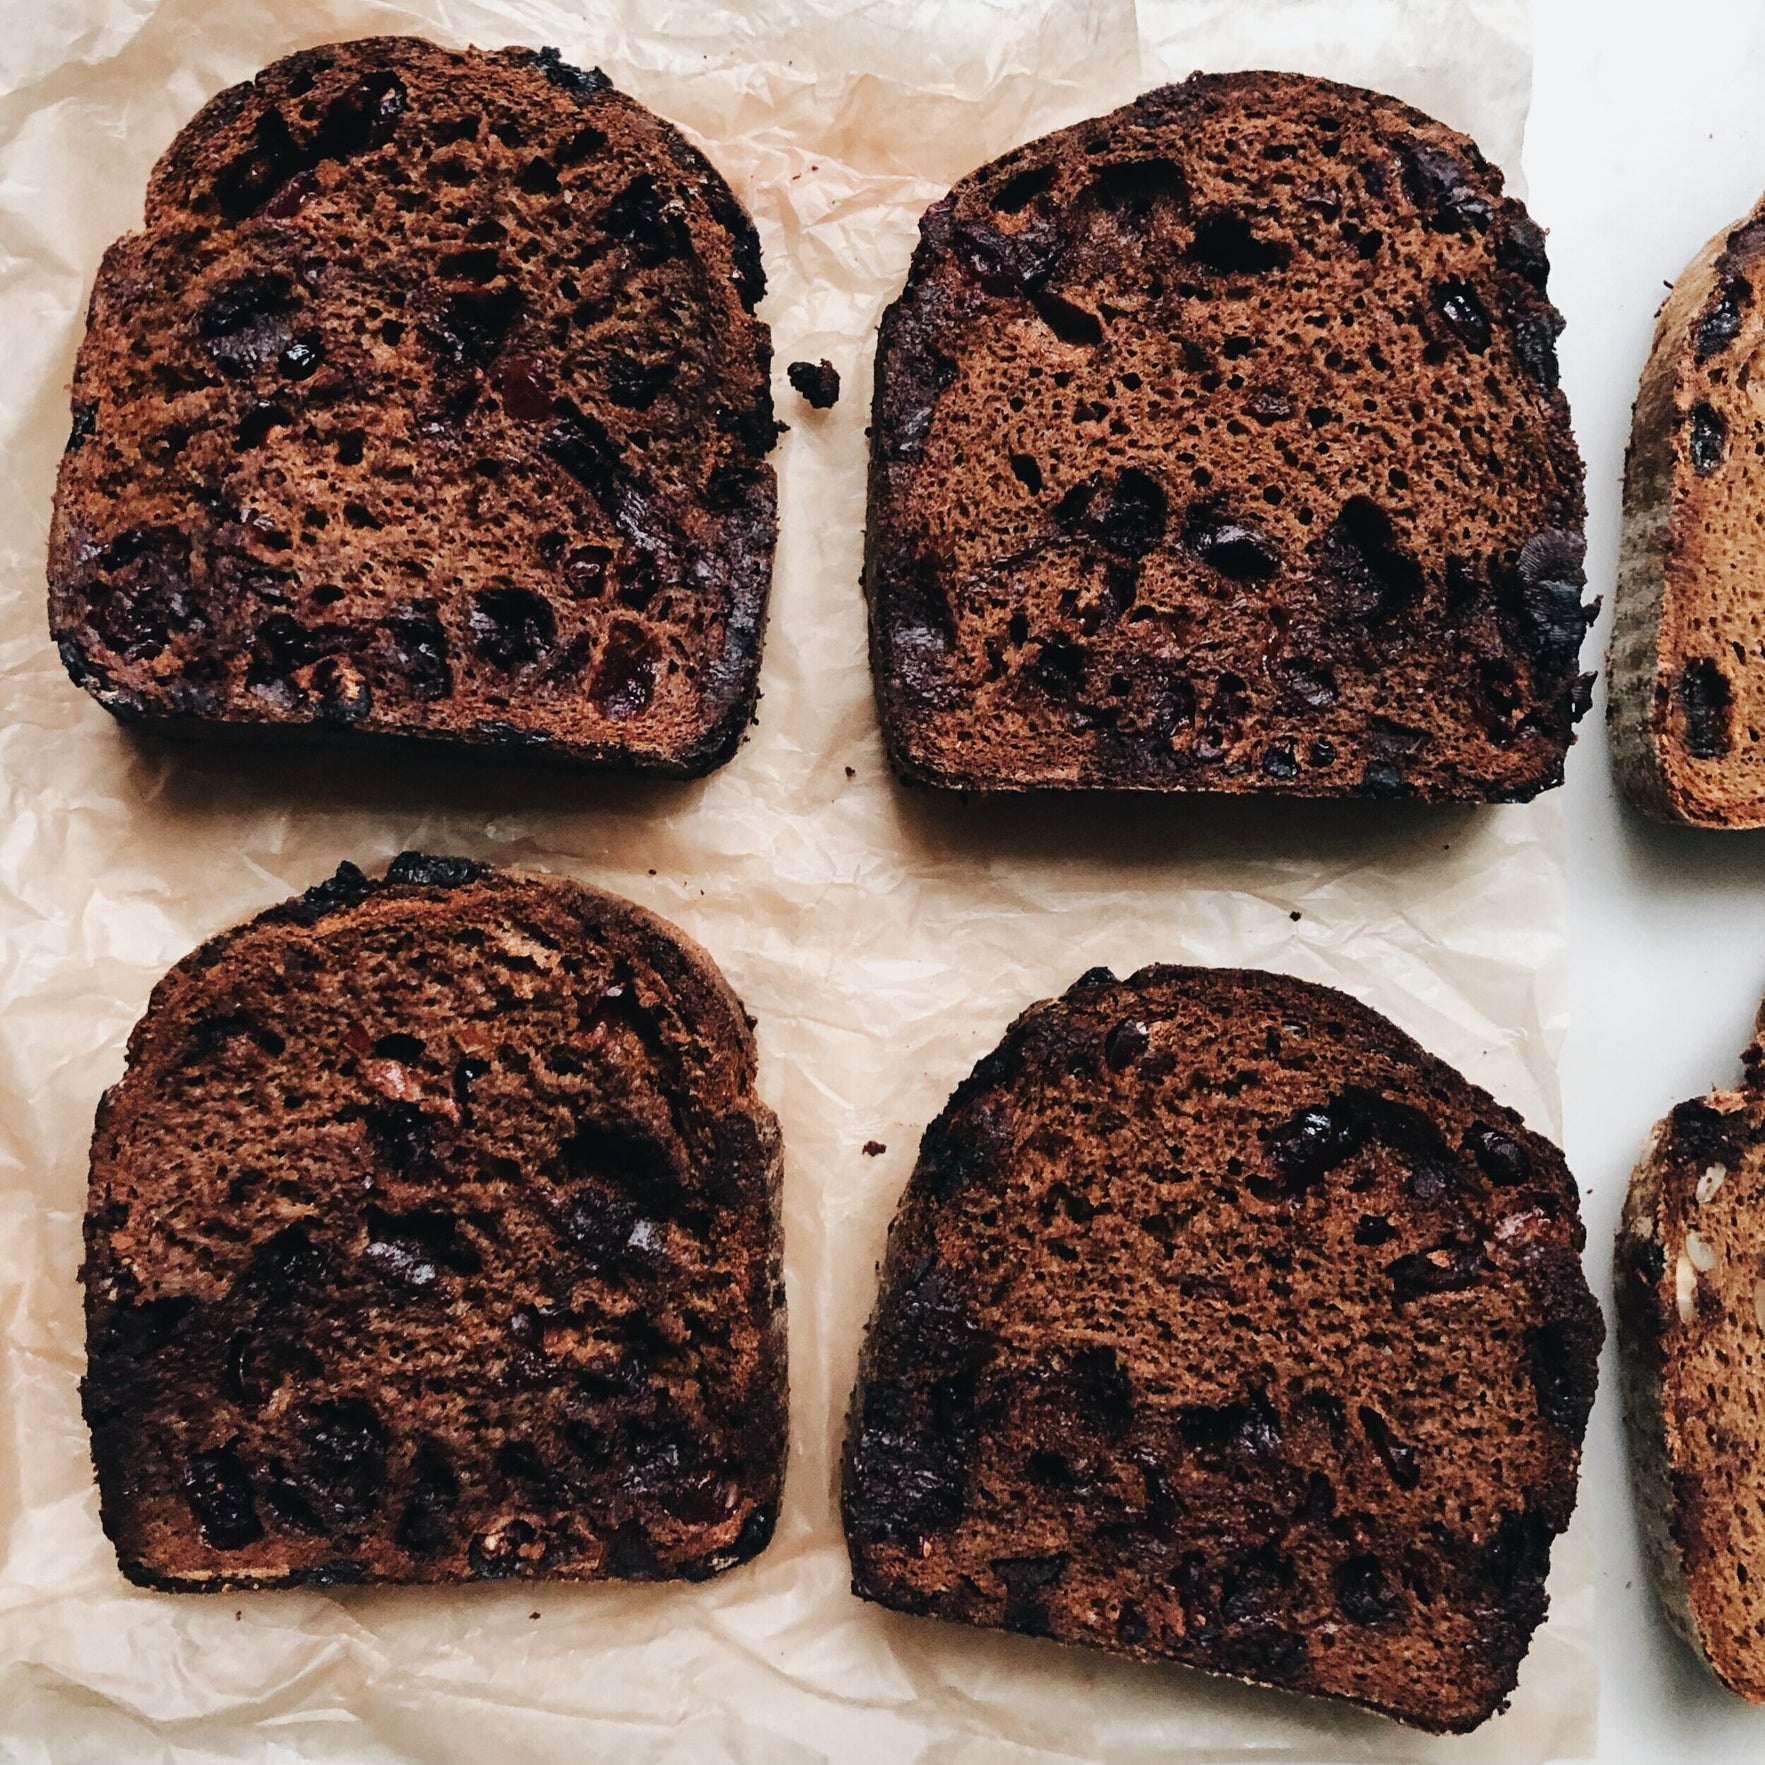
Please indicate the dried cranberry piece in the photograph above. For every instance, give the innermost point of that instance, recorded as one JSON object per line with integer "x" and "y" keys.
{"x": 1705, "y": 698}
{"x": 1363, "y": 1591}
{"x": 522, "y": 385}
{"x": 219, "y": 1492}
{"x": 511, "y": 627}
{"x": 1709, "y": 438}
{"x": 625, "y": 676}
{"x": 1456, "y": 301}
{"x": 427, "y": 1520}
{"x": 1371, "y": 575}
{"x": 248, "y": 322}
{"x": 1125, "y": 1043}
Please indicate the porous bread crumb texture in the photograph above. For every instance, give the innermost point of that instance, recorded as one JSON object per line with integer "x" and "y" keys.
{"x": 1687, "y": 700}
{"x": 1690, "y": 1273}
{"x": 1217, "y": 445}
{"x": 429, "y": 402}
{"x": 1222, "y": 1324}
{"x": 434, "y": 1236}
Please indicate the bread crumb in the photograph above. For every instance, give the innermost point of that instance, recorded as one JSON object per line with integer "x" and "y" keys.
{"x": 874, "y": 1149}
{"x": 817, "y": 383}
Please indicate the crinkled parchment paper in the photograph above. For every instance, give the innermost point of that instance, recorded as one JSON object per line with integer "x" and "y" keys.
{"x": 882, "y": 939}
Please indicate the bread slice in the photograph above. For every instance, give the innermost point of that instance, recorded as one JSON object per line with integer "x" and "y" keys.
{"x": 1690, "y": 1272}
{"x": 1687, "y": 669}
{"x": 1217, "y": 445}
{"x": 434, "y": 1236}
{"x": 1222, "y": 1324}
{"x": 430, "y": 402}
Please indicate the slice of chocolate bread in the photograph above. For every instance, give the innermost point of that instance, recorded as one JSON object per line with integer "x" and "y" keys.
{"x": 1690, "y": 1271}
{"x": 434, "y": 1236}
{"x": 430, "y": 402}
{"x": 1217, "y": 445}
{"x": 1687, "y": 674}
{"x": 1222, "y": 1324}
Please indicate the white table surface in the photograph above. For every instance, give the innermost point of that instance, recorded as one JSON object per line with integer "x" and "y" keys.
{"x": 1647, "y": 135}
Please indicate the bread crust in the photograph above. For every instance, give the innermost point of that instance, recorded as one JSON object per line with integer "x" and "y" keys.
{"x": 1659, "y": 569}
{"x": 146, "y": 1297}
{"x": 1151, "y": 1519}
{"x": 429, "y": 405}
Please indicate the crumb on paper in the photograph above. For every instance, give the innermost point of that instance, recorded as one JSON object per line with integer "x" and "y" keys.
{"x": 874, "y": 1149}
{"x": 817, "y": 383}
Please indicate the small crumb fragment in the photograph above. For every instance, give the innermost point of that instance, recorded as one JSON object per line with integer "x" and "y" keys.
{"x": 874, "y": 1149}
{"x": 851, "y": 771}
{"x": 1295, "y": 915}
{"x": 1685, "y": 1288}
{"x": 817, "y": 382}
{"x": 1711, "y": 1181}
{"x": 532, "y": 1614}
{"x": 1701, "y": 1251}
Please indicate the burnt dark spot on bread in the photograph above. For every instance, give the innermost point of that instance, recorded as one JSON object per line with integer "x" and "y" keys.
{"x": 1219, "y": 1323}
{"x": 1552, "y": 576}
{"x": 434, "y": 1236}
{"x": 1253, "y": 379}
{"x": 409, "y": 333}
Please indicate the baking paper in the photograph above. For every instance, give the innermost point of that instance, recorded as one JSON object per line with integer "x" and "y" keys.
{"x": 882, "y": 939}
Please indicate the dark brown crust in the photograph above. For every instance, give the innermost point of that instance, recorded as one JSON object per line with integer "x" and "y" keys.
{"x": 1688, "y": 1368}
{"x": 1136, "y": 1550}
{"x": 1076, "y": 584}
{"x": 697, "y": 1505}
{"x": 386, "y": 428}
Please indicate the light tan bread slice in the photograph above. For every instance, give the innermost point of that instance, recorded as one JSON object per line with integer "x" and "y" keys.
{"x": 1687, "y": 664}
{"x": 1690, "y": 1272}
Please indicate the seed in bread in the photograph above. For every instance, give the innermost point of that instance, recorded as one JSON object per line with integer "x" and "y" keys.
{"x": 433, "y": 1236}
{"x": 430, "y": 402}
{"x": 1217, "y": 445}
{"x": 1222, "y": 1324}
